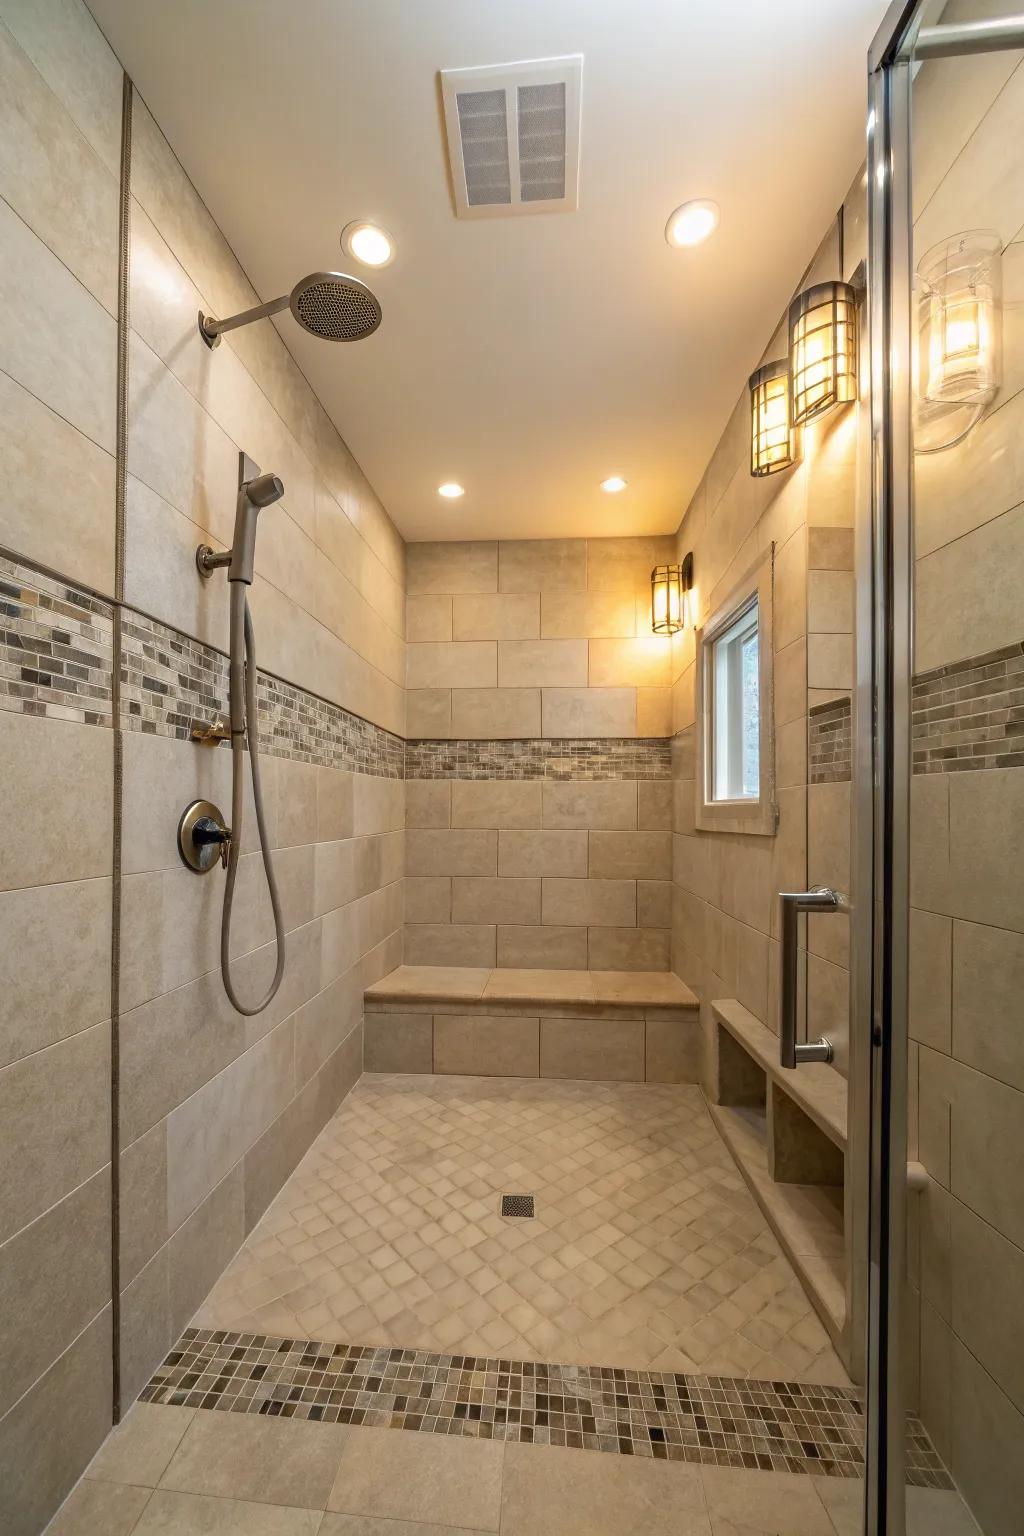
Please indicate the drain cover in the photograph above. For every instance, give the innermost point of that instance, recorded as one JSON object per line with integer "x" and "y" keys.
{"x": 517, "y": 1205}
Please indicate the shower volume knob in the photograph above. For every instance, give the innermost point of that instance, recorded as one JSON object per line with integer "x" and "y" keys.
{"x": 203, "y": 837}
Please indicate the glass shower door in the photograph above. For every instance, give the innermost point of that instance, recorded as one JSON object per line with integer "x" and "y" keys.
{"x": 940, "y": 826}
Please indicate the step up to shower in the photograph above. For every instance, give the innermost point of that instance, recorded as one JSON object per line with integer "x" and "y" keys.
{"x": 617, "y": 1026}
{"x": 787, "y": 1131}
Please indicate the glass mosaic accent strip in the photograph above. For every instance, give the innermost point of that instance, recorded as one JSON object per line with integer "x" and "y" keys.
{"x": 56, "y": 648}
{"x": 715, "y": 1420}
{"x": 830, "y": 742}
{"x": 170, "y": 683}
{"x": 554, "y": 758}
{"x": 971, "y": 714}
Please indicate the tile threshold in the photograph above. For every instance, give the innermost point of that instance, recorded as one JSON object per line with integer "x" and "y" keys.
{"x": 724, "y": 1421}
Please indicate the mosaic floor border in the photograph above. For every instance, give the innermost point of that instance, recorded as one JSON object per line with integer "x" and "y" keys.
{"x": 710, "y": 1420}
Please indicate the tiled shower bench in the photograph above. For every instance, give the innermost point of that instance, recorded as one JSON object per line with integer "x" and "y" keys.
{"x": 624, "y": 1026}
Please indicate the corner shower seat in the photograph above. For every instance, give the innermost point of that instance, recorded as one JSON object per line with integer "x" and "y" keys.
{"x": 625, "y": 1026}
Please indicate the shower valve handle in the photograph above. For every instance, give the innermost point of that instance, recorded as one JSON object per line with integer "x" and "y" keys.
{"x": 207, "y": 833}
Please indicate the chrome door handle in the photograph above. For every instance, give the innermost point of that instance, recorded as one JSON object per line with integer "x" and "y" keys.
{"x": 791, "y": 903}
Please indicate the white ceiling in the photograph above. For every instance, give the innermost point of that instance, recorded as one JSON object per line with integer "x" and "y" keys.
{"x": 527, "y": 358}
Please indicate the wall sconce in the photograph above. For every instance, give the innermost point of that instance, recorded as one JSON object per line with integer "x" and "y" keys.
{"x": 822, "y": 350}
{"x": 959, "y": 335}
{"x": 773, "y": 438}
{"x": 669, "y": 586}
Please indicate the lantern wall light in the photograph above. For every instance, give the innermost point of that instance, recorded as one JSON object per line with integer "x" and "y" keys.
{"x": 774, "y": 441}
{"x": 822, "y": 350}
{"x": 959, "y": 336}
{"x": 670, "y": 585}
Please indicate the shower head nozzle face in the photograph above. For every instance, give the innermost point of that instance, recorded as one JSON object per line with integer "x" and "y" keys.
{"x": 335, "y": 307}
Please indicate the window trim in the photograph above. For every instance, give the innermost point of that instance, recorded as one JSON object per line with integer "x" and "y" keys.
{"x": 758, "y": 816}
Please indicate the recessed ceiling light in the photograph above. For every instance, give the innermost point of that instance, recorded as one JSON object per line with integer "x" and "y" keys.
{"x": 368, "y": 243}
{"x": 692, "y": 222}
{"x": 451, "y": 489}
{"x": 614, "y": 483}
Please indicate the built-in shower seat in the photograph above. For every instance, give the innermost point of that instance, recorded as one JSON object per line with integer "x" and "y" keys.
{"x": 624, "y": 1026}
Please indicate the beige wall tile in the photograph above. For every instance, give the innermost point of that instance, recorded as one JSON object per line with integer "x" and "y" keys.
{"x": 496, "y": 803}
{"x": 968, "y": 594}
{"x": 986, "y": 1436}
{"x": 497, "y": 617}
{"x": 791, "y": 682}
{"x": 542, "y": 663}
{"x": 988, "y": 985}
{"x": 986, "y": 1146}
{"x": 654, "y": 903}
{"x": 451, "y": 567}
{"x": 46, "y": 1002}
{"x": 597, "y": 903}
{"x": 579, "y": 712}
{"x": 481, "y": 1046}
{"x": 642, "y": 662}
{"x": 987, "y": 1283}
{"x": 986, "y": 847}
{"x": 830, "y": 661}
{"x": 625, "y": 564}
{"x": 630, "y": 856}
{"x": 673, "y": 1051}
{"x": 931, "y": 942}
{"x": 455, "y": 664}
{"x": 830, "y": 601}
{"x": 495, "y": 901}
{"x": 428, "y": 899}
{"x": 654, "y": 711}
{"x": 449, "y": 944}
{"x": 600, "y": 804}
{"x": 459, "y": 852}
{"x": 568, "y": 615}
{"x": 430, "y": 618}
{"x": 429, "y": 713}
{"x": 542, "y": 949}
{"x": 790, "y": 607}
{"x": 428, "y": 803}
{"x": 654, "y": 805}
{"x": 628, "y": 949}
{"x": 542, "y": 853}
{"x": 398, "y": 1042}
{"x": 593, "y": 1050}
{"x": 500, "y": 713}
{"x": 542, "y": 565}
{"x": 200, "y": 1249}
{"x": 829, "y": 549}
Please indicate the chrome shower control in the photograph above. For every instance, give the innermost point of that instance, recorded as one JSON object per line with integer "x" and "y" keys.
{"x": 203, "y": 837}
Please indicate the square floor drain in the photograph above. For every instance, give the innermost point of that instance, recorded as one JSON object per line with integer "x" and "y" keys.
{"x": 517, "y": 1205}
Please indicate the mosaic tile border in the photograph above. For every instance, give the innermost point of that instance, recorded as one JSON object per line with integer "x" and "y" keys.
{"x": 170, "y": 682}
{"x": 712, "y": 1420}
{"x": 970, "y": 715}
{"x": 830, "y": 742}
{"x": 56, "y": 648}
{"x": 555, "y": 758}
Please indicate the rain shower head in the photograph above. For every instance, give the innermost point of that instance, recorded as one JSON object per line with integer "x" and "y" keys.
{"x": 330, "y": 305}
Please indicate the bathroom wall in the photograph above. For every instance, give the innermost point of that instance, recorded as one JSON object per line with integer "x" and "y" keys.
{"x": 538, "y": 795}
{"x": 725, "y": 937}
{"x": 967, "y": 825}
{"x": 112, "y": 652}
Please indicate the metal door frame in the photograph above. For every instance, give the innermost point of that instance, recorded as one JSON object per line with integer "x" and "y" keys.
{"x": 882, "y": 746}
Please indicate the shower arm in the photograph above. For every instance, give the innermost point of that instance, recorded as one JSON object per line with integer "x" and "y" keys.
{"x": 211, "y": 329}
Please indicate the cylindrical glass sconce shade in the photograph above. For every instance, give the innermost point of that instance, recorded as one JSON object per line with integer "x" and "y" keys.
{"x": 822, "y": 350}
{"x": 669, "y": 586}
{"x": 959, "y": 319}
{"x": 773, "y": 438}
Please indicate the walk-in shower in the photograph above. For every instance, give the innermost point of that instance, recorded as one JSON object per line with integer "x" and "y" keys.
{"x": 335, "y": 308}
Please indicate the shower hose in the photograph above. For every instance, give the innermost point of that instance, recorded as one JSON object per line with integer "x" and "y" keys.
{"x": 243, "y": 726}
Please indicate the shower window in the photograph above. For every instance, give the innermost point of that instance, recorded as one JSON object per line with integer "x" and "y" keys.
{"x": 735, "y": 788}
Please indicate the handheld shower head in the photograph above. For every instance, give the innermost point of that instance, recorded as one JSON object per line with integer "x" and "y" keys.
{"x": 329, "y": 305}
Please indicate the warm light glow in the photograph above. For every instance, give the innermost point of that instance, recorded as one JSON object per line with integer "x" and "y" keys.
{"x": 613, "y": 484}
{"x": 451, "y": 489}
{"x": 773, "y": 440}
{"x": 691, "y": 223}
{"x": 368, "y": 243}
{"x": 822, "y": 350}
{"x": 669, "y": 586}
{"x": 959, "y": 286}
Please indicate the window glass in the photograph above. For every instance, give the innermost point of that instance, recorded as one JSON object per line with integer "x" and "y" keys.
{"x": 736, "y": 707}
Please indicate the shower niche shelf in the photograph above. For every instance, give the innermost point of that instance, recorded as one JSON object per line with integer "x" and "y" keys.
{"x": 787, "y": 1133}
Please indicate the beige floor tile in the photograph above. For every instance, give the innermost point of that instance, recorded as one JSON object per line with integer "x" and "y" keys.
{"x": 141, "y": 1446}
{"x": 245, "y": 1456}
{"x": 99, "y": 1509}
{"x": 190, "y": 1514}
{"x": 369, "y": 1525}
{"x": 777, "y": 1503}
{"x": 647, "y": 1250}
{"x": 552, "y": 1491}
{"x": 930, "y": 1511}
{"x": 438, "y": 1479}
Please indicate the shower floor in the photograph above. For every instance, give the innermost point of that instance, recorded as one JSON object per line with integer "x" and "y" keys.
{"x": 645, "y": 1251}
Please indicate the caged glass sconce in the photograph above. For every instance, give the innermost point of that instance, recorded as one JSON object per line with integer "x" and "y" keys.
{"x": 822, "y": 350}
{"x": 669, "y": 587}
{"x": 773, "y": 438}
{"x": 959, "y": 334}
